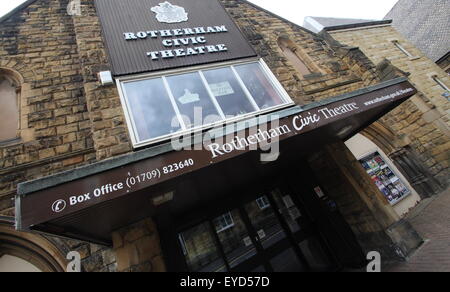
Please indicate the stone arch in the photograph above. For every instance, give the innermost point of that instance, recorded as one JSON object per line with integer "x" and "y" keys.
{"x": 22, "y": 77}
{"x": 404, "y": 157}
{"x": 10, "y": 104}
{"x": 382, "y": 137}
{"x": 31, "y": 248}
{"x": 297, "y": 57}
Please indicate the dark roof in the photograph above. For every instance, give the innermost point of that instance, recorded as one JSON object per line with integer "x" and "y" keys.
{"x": 316, "y": 24}
{"x": 425, "y": 23}
{"x": 17, "y": 9}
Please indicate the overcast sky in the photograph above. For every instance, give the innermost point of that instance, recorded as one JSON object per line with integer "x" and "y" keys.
{"x": 296, "y": 10}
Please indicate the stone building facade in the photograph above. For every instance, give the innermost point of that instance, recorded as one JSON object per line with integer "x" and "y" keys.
{"x": 424, "y": 23}
{"x": 422, "y": 122}
{"x": 70, "y": 123}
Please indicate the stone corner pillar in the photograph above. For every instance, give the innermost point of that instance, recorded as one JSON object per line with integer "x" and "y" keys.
{"x": 138, "y": 248}
{"x": 373, "y": 220}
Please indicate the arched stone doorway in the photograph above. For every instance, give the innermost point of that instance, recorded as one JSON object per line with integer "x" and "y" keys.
{"x": 363, "y": 148}
{"x": 403, "y": 156}
{"x": 14, "y": 264}
{"x": 29, "y": 252}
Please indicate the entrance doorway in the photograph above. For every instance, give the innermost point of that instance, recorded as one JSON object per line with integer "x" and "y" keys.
{"x": 270, "y": 231}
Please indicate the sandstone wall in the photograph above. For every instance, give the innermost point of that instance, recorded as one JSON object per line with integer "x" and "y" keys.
{"x": 424, "y": 119}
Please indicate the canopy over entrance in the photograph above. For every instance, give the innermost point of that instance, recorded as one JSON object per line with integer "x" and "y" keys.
{"x": 89, "y": 203}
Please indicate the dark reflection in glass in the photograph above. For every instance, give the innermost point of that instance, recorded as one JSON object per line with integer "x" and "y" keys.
{"x": 315, "y": 254}
{"x": 234, "y": 237}
{"x": 152, "y": 110}
{"x": 288, "y": 210}
{"x": 200, "y": 251}
{"x": 259, "y": 86}
{"x": 265, "y": 223}
{"x": 287, "y": 261}
{"x": 228, "y": 92}
{"x": 193, "y": 100}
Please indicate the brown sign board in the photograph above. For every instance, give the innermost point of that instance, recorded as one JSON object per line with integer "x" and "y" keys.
{"x": 62, "y": 200}
{"x": 149, "y": 35}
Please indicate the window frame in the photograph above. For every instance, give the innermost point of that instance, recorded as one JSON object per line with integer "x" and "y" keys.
{"x": 406, "y": 52}
{"x": 439, "y": 82}
{"x": 263, "y": 200}
{"x": 132, "y": 129}
{"x": 16, "y": 84}
{"x": 226, "y": 227}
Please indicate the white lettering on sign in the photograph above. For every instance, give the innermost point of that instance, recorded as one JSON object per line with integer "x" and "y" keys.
{"x": 174, "y": 32}
{"x": 300, "y": 122}
{"x": 128, "y": 183}
{"x": 195, "y": 45}
{"x": 155, "y": 55}
{"x": 337, "y": 111}
{"x": 98, "y": 192}
{"x": 241, "y": 143}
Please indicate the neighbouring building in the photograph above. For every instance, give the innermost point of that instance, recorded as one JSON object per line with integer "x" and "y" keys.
{"x": 204, "y": 135}
{"x": 423, "y": 128}
{"x": 425, "y": 23}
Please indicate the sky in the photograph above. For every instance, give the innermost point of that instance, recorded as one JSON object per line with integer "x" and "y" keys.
{"x": 297, "y": 10}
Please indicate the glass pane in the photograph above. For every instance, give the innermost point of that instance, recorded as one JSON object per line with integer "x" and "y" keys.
{"x": 385, "y": 179}
{"x": 228, "y": 92}
{"x": 200, "y": 251}
{"x": 151, "y": 108}
{"x": 259, "y": 85}
{"x": 234, "y": 237}
{"x": 9, "y": 111}
{"x": 287, "y": 261}
{"x": 265, "y": 224}
{"x": 315, "y": 255}
{"x": 193, "y": 100}
{"x": 288, "y": 210}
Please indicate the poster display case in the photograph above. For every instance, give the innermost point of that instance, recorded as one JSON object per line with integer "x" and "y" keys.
{"x": 385, "y": 179}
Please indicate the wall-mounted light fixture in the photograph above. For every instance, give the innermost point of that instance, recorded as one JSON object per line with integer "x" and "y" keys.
{"x": 167, "y": 197}
{"x": 344, "y": 131}
{"x": 105, "y": 77}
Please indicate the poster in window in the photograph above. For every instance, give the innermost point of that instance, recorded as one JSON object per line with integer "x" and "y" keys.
{"x": 384, "y": 178}
{"x": 221, "y": 89}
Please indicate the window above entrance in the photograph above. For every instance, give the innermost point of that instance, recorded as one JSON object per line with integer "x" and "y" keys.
{"x": 161, "y": 107}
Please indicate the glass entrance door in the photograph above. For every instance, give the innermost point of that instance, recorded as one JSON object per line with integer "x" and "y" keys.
{"x": 268, "y": 233}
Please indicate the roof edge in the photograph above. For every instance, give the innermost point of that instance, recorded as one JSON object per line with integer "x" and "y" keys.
{"x": 356, "y": 25}
{"x": 16, "y": 10}
{"x": 443, "y": 57}
{"x": 277, "y": 16}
